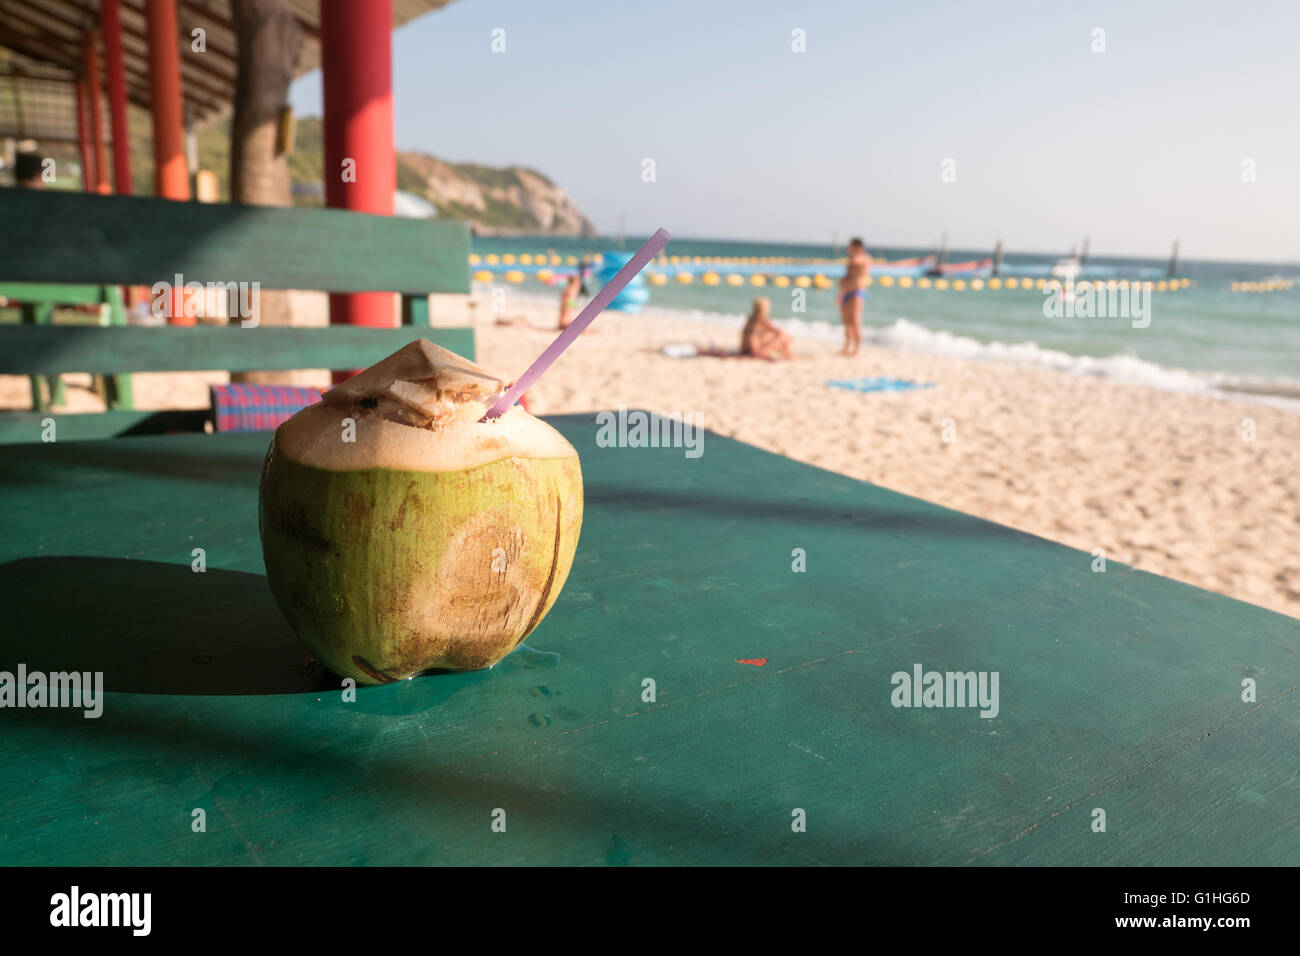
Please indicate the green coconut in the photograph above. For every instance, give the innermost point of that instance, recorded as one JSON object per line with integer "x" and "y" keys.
{"x": 401, "y": 533}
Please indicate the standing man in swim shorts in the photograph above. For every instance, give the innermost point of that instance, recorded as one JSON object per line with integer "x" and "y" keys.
{"x": 853, "y": 292}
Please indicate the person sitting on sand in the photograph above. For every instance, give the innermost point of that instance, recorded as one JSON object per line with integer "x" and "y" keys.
{"x": 761, "y": 337}
{"x": 853, "y": 294}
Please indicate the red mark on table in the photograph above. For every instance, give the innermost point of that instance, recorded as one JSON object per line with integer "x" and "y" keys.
{"x": 756, "y": 661}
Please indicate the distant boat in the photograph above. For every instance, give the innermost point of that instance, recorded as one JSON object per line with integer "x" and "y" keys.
{"x": 915, "y": 266}
{"x": 1068, "y": 268}
{"x": 971, "y": 267}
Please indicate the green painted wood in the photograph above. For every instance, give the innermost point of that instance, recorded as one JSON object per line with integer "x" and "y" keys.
{"x": 48, "y": 236}
{"x": 61, "y": 294}
{"x": 118, "y": 390}
{"x": 24, "y": 427}
{"x": 48, "y": 349}
{"x": 415, "y": 310}
{"x": 1118, "y": 690}
{"x": 46, "y": 390}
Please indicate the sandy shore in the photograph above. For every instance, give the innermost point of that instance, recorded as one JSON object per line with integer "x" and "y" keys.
{"x": 1159, "y": 480}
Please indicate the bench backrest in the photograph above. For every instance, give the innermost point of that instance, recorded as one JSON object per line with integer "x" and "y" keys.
{"x": 66, "y": 237}
{"x": 66, "y": 247}
{"x": 75, "y": 239}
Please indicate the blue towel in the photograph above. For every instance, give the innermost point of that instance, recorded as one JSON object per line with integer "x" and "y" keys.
{"x": 878, "y": 384}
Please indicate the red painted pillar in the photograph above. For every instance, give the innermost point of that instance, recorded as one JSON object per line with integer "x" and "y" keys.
{"x": 360, "y": 155}
{"x": 111, "y": 20}
{"x": 90, "y": 57}
{"x": 83, "y": 139}
{"x": 171, "y": 174}
{"x": 171, "y": 177}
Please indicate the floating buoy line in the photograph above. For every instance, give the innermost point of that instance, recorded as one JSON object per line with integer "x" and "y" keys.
{"x": 783, "y": 272}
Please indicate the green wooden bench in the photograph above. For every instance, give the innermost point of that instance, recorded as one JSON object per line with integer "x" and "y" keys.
{"x": 81, "y": 243}
{"x": 37, "y": 304}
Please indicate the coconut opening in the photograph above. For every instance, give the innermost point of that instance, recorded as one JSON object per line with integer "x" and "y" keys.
{"x": 422, "y": 385}
{"x": 420, "y": 409}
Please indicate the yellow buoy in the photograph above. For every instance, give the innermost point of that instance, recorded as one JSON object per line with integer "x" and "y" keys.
{"x": 710, "y": 278}
{"x": 525, "y": 259}
{"x": 803, "y": 282}
{"x": 685, "y": 278}
{"x": 758, "y": 279}
{"x": 885, "y": 281}
{"x": 1041, "y": 283}
{"x": 995, "y": 283}
{"x": 781, "y": 282}
{"x": 924, "y": 282}
{"x": 905, "y": 282}
{"x": 490, "y": 258}
{"x": 821, "y": 282}
{"x": 508, "y": 258}
{"x": 735, "y": 279}
{"x": 483, "y": 276}
{"x": 545, "y": 275}
{"x": 958, "y": 284}
{"x": 1012, "y": 282}
{"x": 941, "y": 283}
{"x": 473, "y": 258}
{"x": 514, "y": 275}
{"x": 977, "y": 284}
{"x": 1083, "y": 285}
{"x": 570, "y": 260}
{"x": 1162, "y": 286}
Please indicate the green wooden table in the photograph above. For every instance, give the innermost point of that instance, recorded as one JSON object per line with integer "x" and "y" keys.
{"x": 1117, "y": 690}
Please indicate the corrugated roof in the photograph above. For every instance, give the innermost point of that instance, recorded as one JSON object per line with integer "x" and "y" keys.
{"x": 40, "y": 58}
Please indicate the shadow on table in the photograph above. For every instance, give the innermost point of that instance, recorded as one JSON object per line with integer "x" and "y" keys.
{"x": 152, "y": 628}
{"x": 190, "y": 457}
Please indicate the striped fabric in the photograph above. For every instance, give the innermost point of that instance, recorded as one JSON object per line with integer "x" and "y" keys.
{"x": 256, "y": 408}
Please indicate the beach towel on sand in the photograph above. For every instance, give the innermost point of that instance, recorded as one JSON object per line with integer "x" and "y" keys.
{"x": 878, "y": 384}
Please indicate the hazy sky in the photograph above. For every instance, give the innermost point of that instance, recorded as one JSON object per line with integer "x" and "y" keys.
{"x": 1050, "y": 141}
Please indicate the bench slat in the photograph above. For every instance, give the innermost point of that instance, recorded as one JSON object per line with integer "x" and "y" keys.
{"x": 47, "y": 236}
{"x": 35, "y": 292}
{"x": 53, "y": 349}
{"x": 24, "y": 427}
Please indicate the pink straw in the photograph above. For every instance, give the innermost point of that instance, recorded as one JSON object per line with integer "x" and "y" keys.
{"x": 597, "y": 305}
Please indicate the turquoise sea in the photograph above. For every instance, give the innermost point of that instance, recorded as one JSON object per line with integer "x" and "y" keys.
{"x": 1206, "y": 337}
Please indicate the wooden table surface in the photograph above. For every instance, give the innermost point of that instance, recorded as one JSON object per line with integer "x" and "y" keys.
{"x": 1118, "y": 691}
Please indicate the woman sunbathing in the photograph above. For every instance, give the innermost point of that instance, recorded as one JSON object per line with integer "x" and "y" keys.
{"x": 761, "y": 337}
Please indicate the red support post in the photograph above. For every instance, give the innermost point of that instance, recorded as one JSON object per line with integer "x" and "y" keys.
{"x": 360, "y": 153}
{"x": 90, "y": 57}
{"x": 111, "y": 22}
{"x": 83, "y": 139}
{"x": 171, "y": 176}
{"x": 171, "y": 172}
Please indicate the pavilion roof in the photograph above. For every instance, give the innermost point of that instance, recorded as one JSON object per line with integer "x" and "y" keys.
{"x": 41, "y": 59}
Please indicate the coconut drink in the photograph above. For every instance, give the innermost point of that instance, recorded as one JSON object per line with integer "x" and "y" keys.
{"x": 405, "y": 531}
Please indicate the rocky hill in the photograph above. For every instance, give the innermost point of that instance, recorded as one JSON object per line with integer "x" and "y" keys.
{"x": 493, "y": 200}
